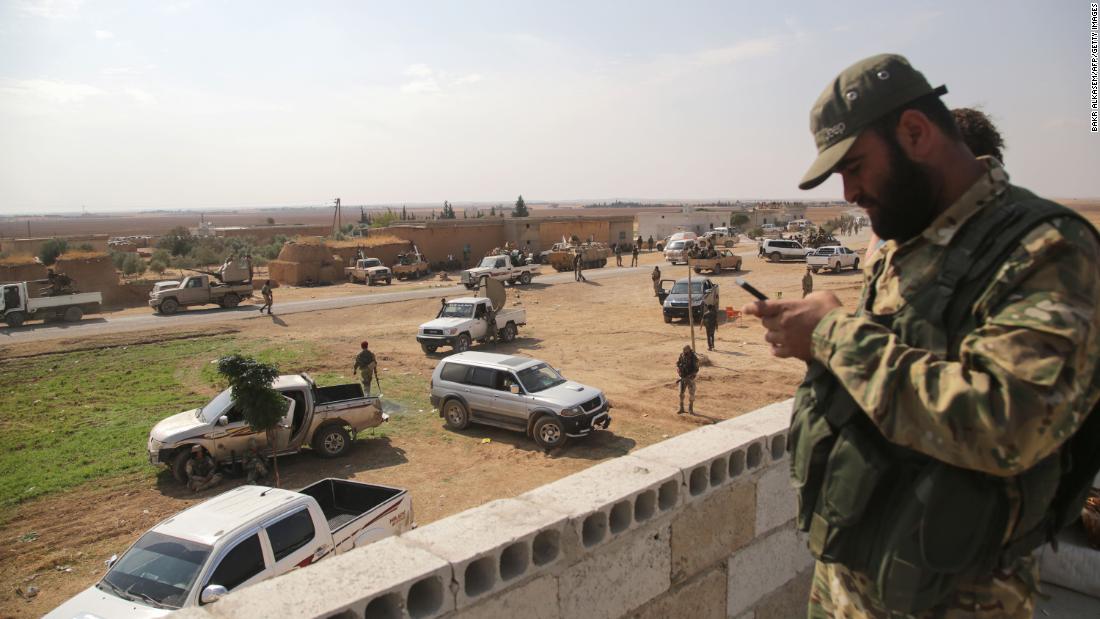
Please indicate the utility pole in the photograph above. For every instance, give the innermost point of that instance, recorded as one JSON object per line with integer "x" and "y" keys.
{"x": 337, "y": 221}
{"x": 691, "y": 304}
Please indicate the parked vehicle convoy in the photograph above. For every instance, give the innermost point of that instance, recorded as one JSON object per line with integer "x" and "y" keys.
{"x": 369, "y": 271}
{"x": 726, "y": 260}
{"x": 465, "y": 320}
{"x": 516, "y": 393}
{"x": 778, "y": 250}
{"x": 324, "y": 418}
{"x": 168, "y": 297}
{"x": 501, "y": 269}
{"x": 593, "y": 255}
{"x": 236, "y": 539}
{"x": 17, "y": 305}
{"x": 673, "y": 296}
{"x": 835, "y": 257}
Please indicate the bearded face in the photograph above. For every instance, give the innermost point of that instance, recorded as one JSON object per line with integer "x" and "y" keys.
{"x": 901, "y": 206}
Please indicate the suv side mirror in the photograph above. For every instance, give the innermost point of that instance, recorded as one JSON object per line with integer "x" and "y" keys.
{"x": 212, "y": 593}
{"x": 514, "y": 389}
{"x": 111, "y": 561}
{"x": 223, "y": 420}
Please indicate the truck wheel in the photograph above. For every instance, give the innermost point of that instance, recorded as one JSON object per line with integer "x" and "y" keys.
{"x": 698, "y": 270}
{"x": 836, "y": 267}
{"x": 179, "y": 464}
{"x": 668, "y": 319}
{"x": 737, "y": 267}
{"x": 230, "y": 300}
{"x": 549, "y": 433}
{"x": 508, "y": 333}
{"x": 169, "y": 306}
{"x": 603, "y": 262}
{"x": 774, "y": 256}
{"x": 389, "y": 280}
{"x": 331, "y": 441}
{"x": 462, "y": 343}
{"x": 717, "y": 268}
{"x": 855, "y": 265}
{"x": 427, "y": 348}
{"x": 15, "y": 319}
{"x": 525, "y": 278}
{"x": 660, "y": 247}
{"x": 455, "y": 415}
{"x": 73, "y": 314}
{"x": 815, "y": 269}
{"x": 728, "y": 243}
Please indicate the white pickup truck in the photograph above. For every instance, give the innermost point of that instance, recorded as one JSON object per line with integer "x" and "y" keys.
{"x": 465, "y": 320}
{"x": 316, "y": 416}
{"x": 832, "y": 257}
{"x": 501, "y": 269}
{"x": 236, "y": 539}
{"x": 18, "y": 306}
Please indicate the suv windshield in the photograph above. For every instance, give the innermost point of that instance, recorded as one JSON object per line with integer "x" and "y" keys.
{"x": 458, "y": 310}
{"x": 539, "y": 377}
{"x": 159, "y": 570}
{"x": 677, "y": 245}
{"x": 682, "y": 288}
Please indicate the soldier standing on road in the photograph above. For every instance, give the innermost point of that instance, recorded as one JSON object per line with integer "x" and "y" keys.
{"x": 578, "y": 267}
{"x": 202, "y": 471}
{"x": 367, "y": 366}
{"x": 634, "y": 253}
{"x": 807, "y": 282}
{"x": 957, "y": 405}
{"x": 710, "y": 322}
{"x": 687, "y": 367}
{"x": 268, "y": 299}
{"x": 618, "y": 254}
{"x": 656, "y": 276}
{"x": 649, "y": 243}
{"x": 255, "y": 465}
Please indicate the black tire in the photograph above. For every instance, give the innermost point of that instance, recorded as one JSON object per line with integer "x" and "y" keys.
{"x": 603, "y": 262}
{"x": 525, "y": 278}
{"x": 389, "y": 280}
{"x": 428, "y": 349}
{"x": 230, "y": 300}
{"x": 717, "y": 268}
{"x": 179, "y": 464}
{"x": 668, "y": 319}
{"x": 73, "y": 314}
{"x": 815, "y": 269}
{"x": 15, "y": 319}
{"x": 737, "y": 267}
{"x": 462, "y": 342}
{"x": 855, "y": 265}
{"x": 728, "y": 243}
{"x": 698, "y": 270}
{"x": 836, "y": 267}
{"x": 548, "y": 432}
{"x": 455, "y": 415}
{"x": 169, "y": 306}
{"x": 508, "y": 333}
{"x": 774, "y": 256}
{"x": 331, "y": 441}
{"x": 660, "y": 247}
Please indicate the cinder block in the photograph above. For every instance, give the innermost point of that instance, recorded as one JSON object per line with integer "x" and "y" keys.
{"x": 389, "y": 578}
{"x": 703, "y": 597}
{"x": 771, "y": 423}
{"x": 615, "y": 579}
{"x": 494, "y": 546}
{"x": 790, "y": 600}
{"x": 708, "y": 531}
{"x": 710, "y": 457}
{"x": 776, "y": 501}
{"x": 538, "y": 599}
{"x": 765, "y": 566}
{"x": 609, "y": 499}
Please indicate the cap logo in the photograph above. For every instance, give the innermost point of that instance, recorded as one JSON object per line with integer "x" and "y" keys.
{"x": 831, "y": 132}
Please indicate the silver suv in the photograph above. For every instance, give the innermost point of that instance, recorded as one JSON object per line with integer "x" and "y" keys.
{"x": 783, "y": 249}
{"x": 516, "y": 393}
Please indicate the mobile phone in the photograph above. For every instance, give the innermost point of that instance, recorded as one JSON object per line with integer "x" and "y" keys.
{"x": 740, "y": 281}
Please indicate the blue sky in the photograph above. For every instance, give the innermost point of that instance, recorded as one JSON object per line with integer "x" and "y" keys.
{"x": 203, "y": 104}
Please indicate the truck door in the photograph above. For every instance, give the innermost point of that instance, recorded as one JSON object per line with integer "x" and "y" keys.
{"x": 294, "y": 541}
{"x": 241, "y": 565}
{"x": 481, "y": 320}
{"x": 192, "y": 291}
{"x": 10, "y": 300}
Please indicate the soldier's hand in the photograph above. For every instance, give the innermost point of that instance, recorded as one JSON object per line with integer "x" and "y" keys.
{"x": 790, "y": 323}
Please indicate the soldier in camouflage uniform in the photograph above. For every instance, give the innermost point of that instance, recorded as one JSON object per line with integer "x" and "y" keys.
{"x": 367, "y": 366}
{"x": 656, "y": 277}
{"x": 965, "y": 379}
{"x": 255, "y": 465}
{"x": 687, "y": 367}
{"x": 202, "y": 471}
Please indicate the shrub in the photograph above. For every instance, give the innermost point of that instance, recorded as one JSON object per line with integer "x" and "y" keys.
{"x": 51, "y": 249}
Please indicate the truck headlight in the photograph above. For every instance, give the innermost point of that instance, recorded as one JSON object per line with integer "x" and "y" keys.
{"x": 572, "y": 411}
{"x": 452, "y": 331}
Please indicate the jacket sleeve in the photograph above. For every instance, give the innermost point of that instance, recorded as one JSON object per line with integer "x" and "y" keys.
{"x": 1025, "y": 377}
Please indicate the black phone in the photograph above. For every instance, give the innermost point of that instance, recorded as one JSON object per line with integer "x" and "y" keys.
{"x": 740, "y": 281}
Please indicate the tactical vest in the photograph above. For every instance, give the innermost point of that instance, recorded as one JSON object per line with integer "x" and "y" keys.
{"x": 914, "y": 525}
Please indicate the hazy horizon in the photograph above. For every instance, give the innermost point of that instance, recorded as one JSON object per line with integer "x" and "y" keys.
{"x": 197, "y": 105}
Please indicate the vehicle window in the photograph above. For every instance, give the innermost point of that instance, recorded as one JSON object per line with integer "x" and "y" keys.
{"x": 158, "y": 568}
{"x": 457, "y": 310}
{"x": 487, "y": 262}
{"x": 539, "y": 377}
{"x": 480, "y": 311}
{"x": 235, "y": 414}
{"x": 290, "y": 533}
{"x": 238, "y": 565}
{"x": 500, "y": 264}
{"x": 682, "y": 288}
{"x": 483, "y": 377}
{"x": 507, "y": 379}
{"x": 454, "y": 372}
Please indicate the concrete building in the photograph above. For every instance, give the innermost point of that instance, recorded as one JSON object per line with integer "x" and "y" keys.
{"x": 661, "y": 224}
{"x": 262, "y": 232}
{"x": 775, "y": 213}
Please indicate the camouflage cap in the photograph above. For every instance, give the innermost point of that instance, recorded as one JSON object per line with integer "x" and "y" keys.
{"x": 860, "y": 95}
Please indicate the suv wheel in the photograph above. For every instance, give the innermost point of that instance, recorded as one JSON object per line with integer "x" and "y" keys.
{"x": 331, "y": 441}
{"x": 462, "y": 343}
{"x": 774, "y": 256}
{"x": 179, "y": 464}
{"x": 455, "y": 415}
{"x": 549, "y": 433}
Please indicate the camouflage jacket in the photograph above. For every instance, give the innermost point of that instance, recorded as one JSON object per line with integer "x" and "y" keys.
{"x": 363, "y": 360}
{"x": 1023, "y": 376}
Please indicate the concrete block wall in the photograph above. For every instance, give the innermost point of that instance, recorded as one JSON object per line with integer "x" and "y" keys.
{"x": 700, "y": 525}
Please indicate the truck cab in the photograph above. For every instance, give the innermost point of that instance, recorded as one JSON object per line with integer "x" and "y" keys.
{"x": 168, "y": 297}
{"x": 369, "y": 271}
{"x": 465, "y": 320}
{"x": 499, "y": 268}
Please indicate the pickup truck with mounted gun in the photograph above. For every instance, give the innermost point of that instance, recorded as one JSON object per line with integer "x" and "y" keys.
{"x": 236, "y": 539}
{"x": 324, "y": 418}
{"x": 501, "y": 269}
{"x": 168, "y": 297}
{"x": 369, "y": 271}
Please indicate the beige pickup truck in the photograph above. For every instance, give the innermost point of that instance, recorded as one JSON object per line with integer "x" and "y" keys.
{"x": 169, "y": 297}
{"x": 324, "y": 418}
{"x": 725, "y": 260}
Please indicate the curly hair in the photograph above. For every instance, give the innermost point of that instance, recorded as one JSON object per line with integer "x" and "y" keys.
{"x": 979, "y": 133}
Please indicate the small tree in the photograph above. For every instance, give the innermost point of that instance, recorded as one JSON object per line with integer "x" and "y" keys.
{"x": 261, "y": 406}
{"x": 521, "y": 208}
{"x": 449, "y": 211}
{"x": 271, "y": 221}
{"x": 133, "y": 264}
{"x": 492, "y": 211}
{"x": 178, "y": 241}
{"x": 157, "y": 266}
{"x": 51, "y": 249}
{"x": 738, "y": 219}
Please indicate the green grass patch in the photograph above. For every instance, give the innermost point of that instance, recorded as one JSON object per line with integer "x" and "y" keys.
{"x": 71, "y": 418}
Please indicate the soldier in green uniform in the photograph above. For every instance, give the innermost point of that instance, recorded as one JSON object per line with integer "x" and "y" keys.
{"x": 710, "y": 323}
{"x": 367, "y": 366}
{"x": 656, "y": 277}
{"x": 954, "y": 410}
{"x": 255, "y": 465}
{"x": 687, "y": 367}
{"x": 807, "y": 282}
{"x": 202, "y": 471}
